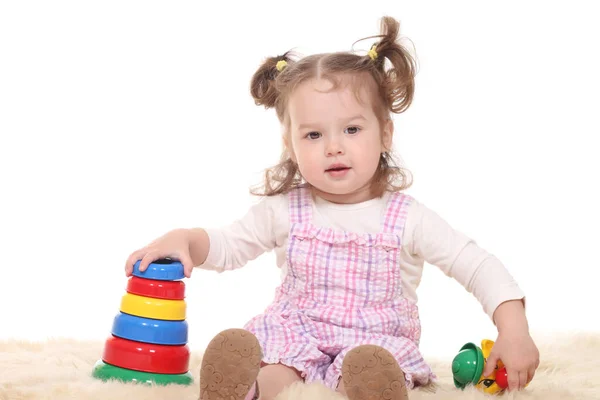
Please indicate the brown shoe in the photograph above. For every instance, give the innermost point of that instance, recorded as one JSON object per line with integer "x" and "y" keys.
{"x": 230, "y": 365}
{"x": 371, "y": 372}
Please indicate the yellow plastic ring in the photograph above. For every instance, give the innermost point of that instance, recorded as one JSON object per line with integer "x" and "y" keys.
{"x": 149, "y": 307}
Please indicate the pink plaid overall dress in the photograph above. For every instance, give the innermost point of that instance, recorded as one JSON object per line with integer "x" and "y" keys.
{"x": 341, "y": 290}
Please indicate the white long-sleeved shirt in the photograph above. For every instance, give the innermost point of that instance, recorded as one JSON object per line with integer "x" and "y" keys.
{"x": 426, "y": 238}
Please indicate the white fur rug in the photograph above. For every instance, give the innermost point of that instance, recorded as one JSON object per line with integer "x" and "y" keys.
{"x": 60, "y": 369}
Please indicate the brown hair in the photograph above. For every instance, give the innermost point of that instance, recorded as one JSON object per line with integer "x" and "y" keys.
{"x": 393, "y": 92}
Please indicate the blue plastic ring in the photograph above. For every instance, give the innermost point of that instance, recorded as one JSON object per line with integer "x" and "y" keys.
{"x": 149, "y": 330}
{"x": 162, "y": 270}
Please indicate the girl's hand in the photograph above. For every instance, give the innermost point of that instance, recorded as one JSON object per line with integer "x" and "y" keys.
{"x": 519, "y": 355}
{"x": 174, "y": 244}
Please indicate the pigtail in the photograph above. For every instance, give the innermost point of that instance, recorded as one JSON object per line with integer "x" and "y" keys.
{"x": 265, "y": 88}
{"x": 398, "y": 83}
{"x": 393, "y": 70}
{"x": 263, "y": 84}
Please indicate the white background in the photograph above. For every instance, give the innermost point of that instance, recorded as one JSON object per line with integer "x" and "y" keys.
{"x": 121, "y": 120}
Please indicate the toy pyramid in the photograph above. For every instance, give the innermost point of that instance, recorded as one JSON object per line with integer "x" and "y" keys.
{"x": 148, "y": 342}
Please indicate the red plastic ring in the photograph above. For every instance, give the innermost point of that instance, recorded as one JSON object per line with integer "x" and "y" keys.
{"x": 172, "y": 290}
{"x": 146, "y": 357}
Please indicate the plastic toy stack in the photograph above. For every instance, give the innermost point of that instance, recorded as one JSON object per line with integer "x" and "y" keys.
{"x": 148, "y": 342}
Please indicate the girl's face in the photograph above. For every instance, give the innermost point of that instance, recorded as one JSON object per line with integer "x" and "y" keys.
{"x": 336, "y": 140}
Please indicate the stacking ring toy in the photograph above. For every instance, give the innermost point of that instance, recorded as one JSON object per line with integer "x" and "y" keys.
{"x": 148, "y": 307}
{"x": 146, "y": 357}
{"x": 107, "y": 372}
{"x": 162, "y": 270}
{"x": 173, "y": 290}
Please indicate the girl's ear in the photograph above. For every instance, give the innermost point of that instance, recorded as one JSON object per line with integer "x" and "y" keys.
{"x": 288, "y": 146}
{"x": 387, "y": 135}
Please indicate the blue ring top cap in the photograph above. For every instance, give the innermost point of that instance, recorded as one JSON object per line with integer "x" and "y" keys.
{"x": 162, "y": 270}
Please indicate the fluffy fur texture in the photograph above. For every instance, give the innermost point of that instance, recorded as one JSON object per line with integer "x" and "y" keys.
{"x": 60, "y": 369}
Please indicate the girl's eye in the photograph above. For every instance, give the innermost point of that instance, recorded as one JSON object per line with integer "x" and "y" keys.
{"x": 352, "y": 130}
{"x": 313, "y": 135}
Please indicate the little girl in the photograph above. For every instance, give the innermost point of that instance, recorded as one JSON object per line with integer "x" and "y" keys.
{"x": 350, "y": 243}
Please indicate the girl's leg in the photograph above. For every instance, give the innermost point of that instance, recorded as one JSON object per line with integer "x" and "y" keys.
{"x": 273, "y": 378}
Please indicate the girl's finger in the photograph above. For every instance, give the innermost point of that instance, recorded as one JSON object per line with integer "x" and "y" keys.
{"x": 522, "y": 379}
{"x": 132, "y": 259}
{"x": 152, "y": 256}
{"x": 530, "y": 374}
{"x": 490, "y": 364}
{"x": 188, "y": 265}
{"x": 513, "y": 379}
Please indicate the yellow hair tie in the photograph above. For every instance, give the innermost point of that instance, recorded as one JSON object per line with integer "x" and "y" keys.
{"x": 281, "y": 64}
{"x": 372, "y": 53}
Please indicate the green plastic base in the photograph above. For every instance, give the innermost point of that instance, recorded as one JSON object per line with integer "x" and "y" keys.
{"x": 106, "y": 372}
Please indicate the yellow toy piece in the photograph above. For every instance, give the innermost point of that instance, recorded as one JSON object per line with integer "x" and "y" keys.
{"x": 149, "y": 307}
{"x": 488, "y": 384}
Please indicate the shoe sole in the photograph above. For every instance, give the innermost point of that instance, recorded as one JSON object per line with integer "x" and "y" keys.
{"x": 230, "y": 365}
{"x": 371, "y": 372}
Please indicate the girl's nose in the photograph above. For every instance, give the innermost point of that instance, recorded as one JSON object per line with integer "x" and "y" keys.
{"x": 334, "y": 148}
